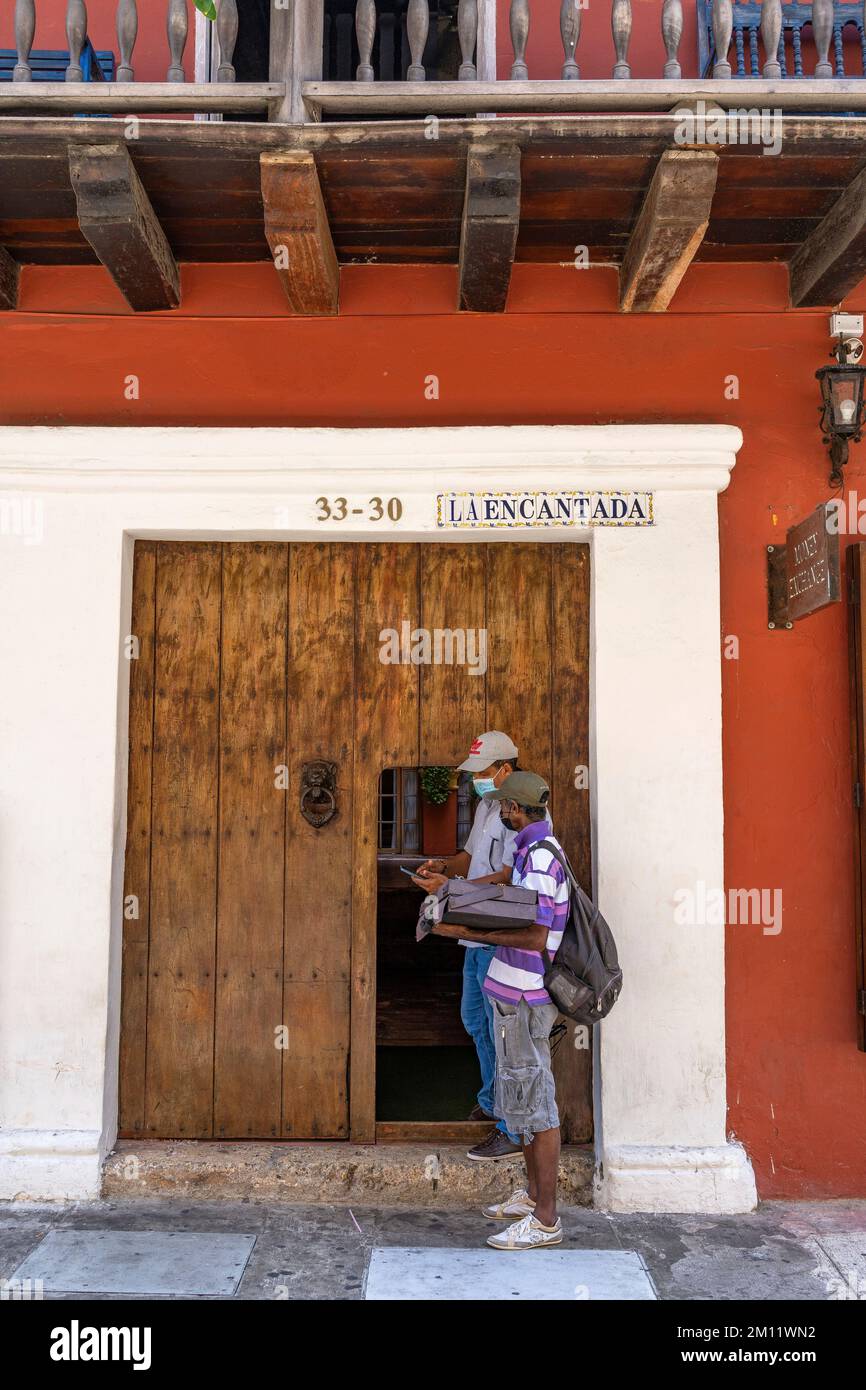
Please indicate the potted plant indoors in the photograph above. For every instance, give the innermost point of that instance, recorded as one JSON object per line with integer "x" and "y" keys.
{"x": 438, "y": 810}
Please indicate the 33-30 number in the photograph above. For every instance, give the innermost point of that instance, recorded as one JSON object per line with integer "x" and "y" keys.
{"x": 337, "y": 509}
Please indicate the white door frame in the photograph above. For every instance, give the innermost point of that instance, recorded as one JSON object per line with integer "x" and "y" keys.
{"x": 82, "y": 496}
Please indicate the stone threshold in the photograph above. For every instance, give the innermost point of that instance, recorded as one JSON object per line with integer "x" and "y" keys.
{"x": 418, "y": 1175}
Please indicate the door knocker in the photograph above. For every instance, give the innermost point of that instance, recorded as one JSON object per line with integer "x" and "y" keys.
{"x": 318, "y": 793}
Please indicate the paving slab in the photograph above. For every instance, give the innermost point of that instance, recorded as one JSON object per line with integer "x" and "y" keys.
{"x": 402, "y": 1274}
{"x": 159, "y": 1263}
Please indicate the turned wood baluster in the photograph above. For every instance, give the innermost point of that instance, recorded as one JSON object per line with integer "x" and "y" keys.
{"x": 127, "y": 33}
{"x": 723, "y": 23}
{"x": 417, "y": 29}
{"x": 771, "y": 32}
{"x": 569, "y": 28}
{"x": 672, "y": 32}
{"x": 227, "y": 33}
{"x": 177, "y": 28}
{"x": 25, "y": 28}
{"x": 365, "y": 29}
{"x": 76, "y": 37}
{"x": 519, "y": 23}
{"x": 822, "y": 28}
{"x": 620, "y": 23}
{"x": 467, "y": 33}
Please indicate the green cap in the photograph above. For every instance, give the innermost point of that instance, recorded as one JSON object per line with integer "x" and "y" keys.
{"x": 526, "y": 788}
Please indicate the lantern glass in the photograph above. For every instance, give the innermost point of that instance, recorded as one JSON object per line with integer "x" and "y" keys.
{"x": 842, "y": 389}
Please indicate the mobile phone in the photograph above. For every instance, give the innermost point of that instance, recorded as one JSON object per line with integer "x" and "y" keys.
{"x": 409, "y": 872}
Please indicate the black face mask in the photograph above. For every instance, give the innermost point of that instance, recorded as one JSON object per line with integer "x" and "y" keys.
{"x": 507, "y": 822}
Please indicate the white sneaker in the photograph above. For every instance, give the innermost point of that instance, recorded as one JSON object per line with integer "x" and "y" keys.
{"x": 528, "y": 1234}
{"x": 518, "y": 1204}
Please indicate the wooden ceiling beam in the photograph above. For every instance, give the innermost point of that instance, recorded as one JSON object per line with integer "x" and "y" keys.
{"x": 832, "y": 260}
{"x": 488, "y": 234}
{"x": 116, "y": 217}
{"x": 10, "y": 274}
{"x": 298, "y": 233}
{"x": 669, "y": 229}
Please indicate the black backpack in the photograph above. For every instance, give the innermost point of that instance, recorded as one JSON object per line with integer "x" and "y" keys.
{"x": 583, "y": 977}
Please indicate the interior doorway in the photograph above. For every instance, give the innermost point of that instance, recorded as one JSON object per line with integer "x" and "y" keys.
{"x": 281, "y": 703}
{"x": 426, "y": 1067}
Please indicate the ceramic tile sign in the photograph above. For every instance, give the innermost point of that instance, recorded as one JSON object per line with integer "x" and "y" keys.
{"x": 460, "y": 510}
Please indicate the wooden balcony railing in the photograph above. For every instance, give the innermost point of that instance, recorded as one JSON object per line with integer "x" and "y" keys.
{"x": 296, "y": 91}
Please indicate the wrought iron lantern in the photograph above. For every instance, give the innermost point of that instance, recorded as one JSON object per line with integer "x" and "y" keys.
{"x": 842, "y": 405}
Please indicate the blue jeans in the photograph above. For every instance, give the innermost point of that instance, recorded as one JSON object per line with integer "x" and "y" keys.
{"x": 476, "y": 1011}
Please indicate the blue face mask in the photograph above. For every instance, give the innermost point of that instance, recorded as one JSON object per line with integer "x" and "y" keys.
{"x": 483, "y": 784}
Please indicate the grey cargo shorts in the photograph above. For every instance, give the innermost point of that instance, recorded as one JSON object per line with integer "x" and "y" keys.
{"x": 525, "y": 1096}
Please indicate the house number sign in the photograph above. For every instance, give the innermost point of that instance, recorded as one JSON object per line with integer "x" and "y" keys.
{"x": 374, "y": 509}
{"x": 460, "y": 510}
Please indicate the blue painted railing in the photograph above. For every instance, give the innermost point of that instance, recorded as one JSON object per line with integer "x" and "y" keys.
{"x": 795, "y": 18}
{"x": 49, "y": 65}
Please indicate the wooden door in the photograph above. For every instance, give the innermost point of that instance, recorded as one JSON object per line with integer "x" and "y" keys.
{"x": 857, "y": 668}
{"x": 249, "y": 950}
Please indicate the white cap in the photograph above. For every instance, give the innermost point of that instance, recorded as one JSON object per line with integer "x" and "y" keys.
{"x": 492, "y": 747}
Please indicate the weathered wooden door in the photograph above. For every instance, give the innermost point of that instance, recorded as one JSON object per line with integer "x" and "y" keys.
{"x": 249, "y": 950}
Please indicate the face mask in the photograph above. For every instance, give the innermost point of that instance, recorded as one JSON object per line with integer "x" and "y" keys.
{"x": 507, "y": 822}
{"x": 483, "y": 784}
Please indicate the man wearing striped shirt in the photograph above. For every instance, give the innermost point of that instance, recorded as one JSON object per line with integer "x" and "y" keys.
{"x": 524, "y": 1015}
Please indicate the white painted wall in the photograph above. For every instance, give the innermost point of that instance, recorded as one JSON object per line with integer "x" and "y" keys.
{"x": 656, "y": 729}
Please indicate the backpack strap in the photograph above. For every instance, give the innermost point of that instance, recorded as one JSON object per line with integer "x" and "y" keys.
{"x": 561, "y": 857}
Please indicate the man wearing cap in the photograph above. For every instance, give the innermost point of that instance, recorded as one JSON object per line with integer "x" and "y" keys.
{"x": 488, "y": 855}
{"x": 524, "y": 1014}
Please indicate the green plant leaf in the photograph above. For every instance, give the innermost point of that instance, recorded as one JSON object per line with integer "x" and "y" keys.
{"x": 207, "y": 7}
{"x": 436, "y": 784}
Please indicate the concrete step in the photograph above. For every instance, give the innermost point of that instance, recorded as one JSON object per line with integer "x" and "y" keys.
{"x": 417, "y": 1175}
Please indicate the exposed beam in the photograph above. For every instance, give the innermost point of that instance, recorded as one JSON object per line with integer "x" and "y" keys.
{"x": 116, "y": 217}
{"x": 669, "y": 229}
{"x": 651, "y": 135}
{"x": 832, "y": 260}
{"x": 488, "y": 236}
{"x": 296, "y": 226}
{"x": 10, "y": 272}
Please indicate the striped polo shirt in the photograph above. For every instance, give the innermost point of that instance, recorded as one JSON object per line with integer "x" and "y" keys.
{"x": 512, "y": 974}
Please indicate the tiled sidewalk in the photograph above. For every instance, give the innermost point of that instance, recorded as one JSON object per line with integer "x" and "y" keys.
{"x": 784, "y": 1250}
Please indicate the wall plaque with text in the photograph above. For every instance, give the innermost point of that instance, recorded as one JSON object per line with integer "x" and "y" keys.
{"x": 803, "y": 575}
{"x": 525, "y": 509}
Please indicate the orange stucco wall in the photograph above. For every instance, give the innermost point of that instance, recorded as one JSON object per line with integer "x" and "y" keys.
{"x": 797, "y": 1084}
{"x": 595, "y": 55}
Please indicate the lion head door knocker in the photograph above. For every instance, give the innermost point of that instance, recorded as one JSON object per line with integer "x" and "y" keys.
{"x": 318, "y": 793}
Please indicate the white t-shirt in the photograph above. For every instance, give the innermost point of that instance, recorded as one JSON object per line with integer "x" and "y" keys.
{"x": 490, "y": 846}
